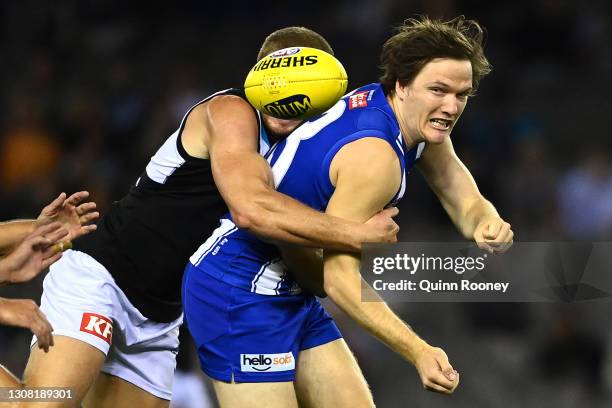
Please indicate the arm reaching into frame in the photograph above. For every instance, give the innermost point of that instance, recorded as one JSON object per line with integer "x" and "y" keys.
{"x": 34, "y": 254}
{"x": 74, "y": 215}
{"x": 245, "y": 181}
{"x": 25, "y": 313}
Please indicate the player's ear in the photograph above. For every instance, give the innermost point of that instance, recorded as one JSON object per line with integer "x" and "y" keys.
{"x": 401, "y": 90}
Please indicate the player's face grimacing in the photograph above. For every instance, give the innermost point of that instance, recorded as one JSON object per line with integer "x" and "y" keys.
{"x": 279, "y": 128}
{"x": 431, "y": 105}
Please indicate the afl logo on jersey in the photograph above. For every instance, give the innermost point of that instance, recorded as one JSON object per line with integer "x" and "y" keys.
{"x": 359, "y": 100}
{"x": 290, "y": 107}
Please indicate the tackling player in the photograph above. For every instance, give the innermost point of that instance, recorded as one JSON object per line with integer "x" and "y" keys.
{"x": 114, "y": 301}
{"x": 257, "y": 335}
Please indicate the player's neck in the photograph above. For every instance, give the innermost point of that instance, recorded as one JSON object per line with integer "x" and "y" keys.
{"x": 409, "y": 140}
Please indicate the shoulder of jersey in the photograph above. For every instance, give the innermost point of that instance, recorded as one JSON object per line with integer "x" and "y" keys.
{"x": 369, "y": 116}
{"x": 296, "y": 83}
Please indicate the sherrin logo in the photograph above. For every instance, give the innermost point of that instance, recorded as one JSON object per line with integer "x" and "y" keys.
{"x": 290, "y": 107}
{"x": 258, "y": 363}
{"x": 97, "y": 325}
{"x": 285, "y": 52}
{"x": 285, "y": 62}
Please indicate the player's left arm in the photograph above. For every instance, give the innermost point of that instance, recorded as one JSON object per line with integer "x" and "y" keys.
{"x": 366, "y": 175}
{"x": 474, "y": 216}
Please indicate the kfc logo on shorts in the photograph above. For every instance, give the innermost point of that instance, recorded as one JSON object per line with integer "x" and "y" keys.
{"x": 257, "y": 363}
{"x": 359, "y": 100}
{"x": 97, "y": 325}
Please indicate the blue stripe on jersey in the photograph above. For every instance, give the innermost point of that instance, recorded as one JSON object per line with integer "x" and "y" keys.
{"x": 300, "y": 165}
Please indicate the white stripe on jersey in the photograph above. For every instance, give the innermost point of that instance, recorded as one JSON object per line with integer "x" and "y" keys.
{"x": 264, "y": 144}
{"x": 165, "y": 161}
{"x": 269, "y": 278}
{"x": 402, "y": 187}
{"x": 226, "y": 228}
{"x": 398, "y": 142}
{"x": 304, "y": 132}
{"x": 420, "y": 150}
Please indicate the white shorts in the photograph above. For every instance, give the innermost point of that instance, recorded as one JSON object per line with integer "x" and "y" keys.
{"x": 81, "y": 300}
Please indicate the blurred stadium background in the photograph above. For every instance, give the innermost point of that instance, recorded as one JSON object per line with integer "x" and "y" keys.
{"x": 90, "y": 88}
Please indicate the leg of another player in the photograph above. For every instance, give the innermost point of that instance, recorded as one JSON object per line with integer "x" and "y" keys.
{"x": 255, "y": 395}
{"x": 110, "y": 391}
{"x": 328, "y": 376}
{"x": 70, "y": 363}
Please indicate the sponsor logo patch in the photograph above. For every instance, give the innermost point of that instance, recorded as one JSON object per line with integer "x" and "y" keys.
{"x": 259, "y": 363}
{"x": 97, "y": 325}
{"x": 358, "y": 100}
{"x": 289, "y": 107}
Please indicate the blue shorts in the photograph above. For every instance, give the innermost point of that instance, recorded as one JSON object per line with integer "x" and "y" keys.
{"x": 248, "y": 337}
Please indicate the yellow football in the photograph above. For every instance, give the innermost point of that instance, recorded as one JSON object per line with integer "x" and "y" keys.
{"x": 295, "y": 83}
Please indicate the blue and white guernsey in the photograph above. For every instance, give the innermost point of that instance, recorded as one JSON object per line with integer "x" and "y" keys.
{"x": 300, "y": 165}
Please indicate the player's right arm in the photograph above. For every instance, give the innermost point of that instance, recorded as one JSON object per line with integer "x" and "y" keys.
{"x": 245, "y": 182}
{"x": 369, "y": 169}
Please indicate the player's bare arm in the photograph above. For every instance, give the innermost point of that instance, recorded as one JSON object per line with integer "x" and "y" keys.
{"x": 306, "y": 264}
{"x": 474, "y": 216}
{"x": 25, "y": 313}
{"x": 34, "y": 254}
{"x": 370, "y": 170}
{"x": 245, "y": 181}
{"x": 74, "y": 213}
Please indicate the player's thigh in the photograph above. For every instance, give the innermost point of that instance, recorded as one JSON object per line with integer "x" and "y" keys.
{"x": 255, "y": 395}
{"x": 329, "y": 376}
{"x": 70, "y": 363}
{"x": 110, "y": 391}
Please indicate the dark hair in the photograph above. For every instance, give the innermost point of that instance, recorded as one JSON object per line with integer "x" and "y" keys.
{"x": 420, "y": 40}
{"x": 293, "y": 37}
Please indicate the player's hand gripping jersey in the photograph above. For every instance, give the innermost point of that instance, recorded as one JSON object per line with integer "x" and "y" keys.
{"x": 300, "y": 165}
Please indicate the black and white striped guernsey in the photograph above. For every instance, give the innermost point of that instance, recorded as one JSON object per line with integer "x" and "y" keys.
{"x": 145, "y": 240}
